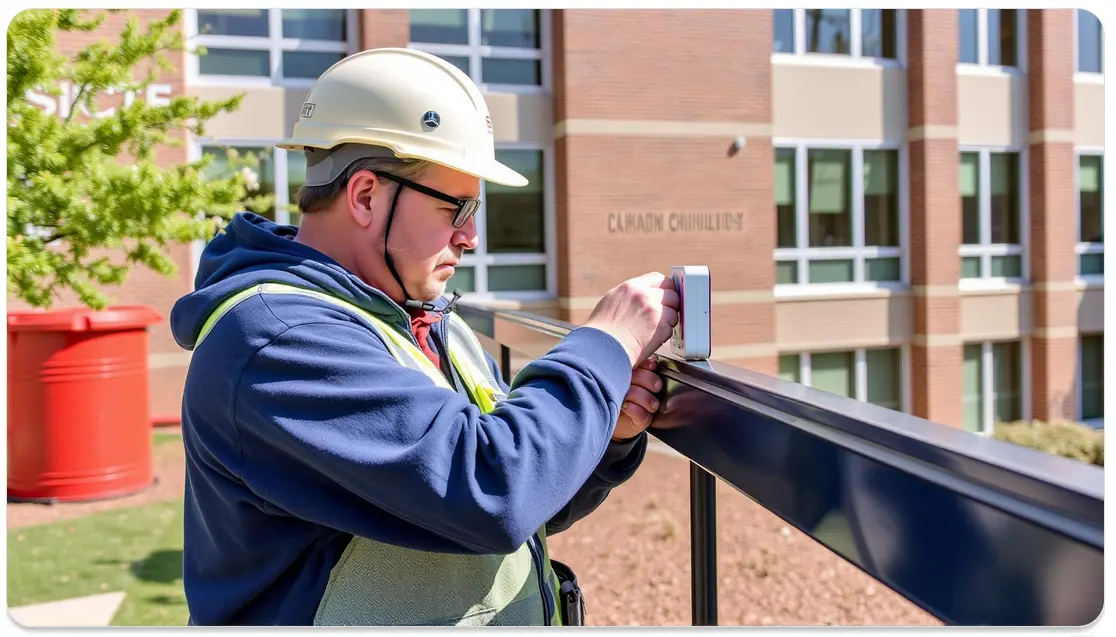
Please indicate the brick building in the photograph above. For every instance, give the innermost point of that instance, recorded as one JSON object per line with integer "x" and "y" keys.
{"x": 901, "y": 206}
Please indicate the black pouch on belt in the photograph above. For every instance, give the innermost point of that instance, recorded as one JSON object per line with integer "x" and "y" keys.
{"x": 569, "y": 595}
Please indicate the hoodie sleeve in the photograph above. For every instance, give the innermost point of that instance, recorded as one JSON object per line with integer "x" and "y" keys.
{"x": 333, "y": 430}
{"x": 620, "y": 462}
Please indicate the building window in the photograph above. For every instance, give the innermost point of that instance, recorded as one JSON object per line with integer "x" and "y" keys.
{"x": 870, "y": 375}
{"x": 278, "y": 173}
{"x": 500, "y": 49}
{"x": 1090, "y": 215}
{"x": 511, "y": 258}
{"x": 282, "y": 46}
{"x": 1091, "y": 400}
{"x": 858, "y": 33}
{"x": 992, "y": 385}
{"x": 1090, "y": 43}
{"x": 838, "y": 215}
{"x": 991, "y": 215}
{"x": 991, "y": 37}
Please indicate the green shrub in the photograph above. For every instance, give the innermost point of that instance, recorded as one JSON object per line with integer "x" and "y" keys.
{"x": 1063, "y": 438}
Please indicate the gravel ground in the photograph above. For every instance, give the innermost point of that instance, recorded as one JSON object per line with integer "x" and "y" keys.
{"x": 632, "y": 556}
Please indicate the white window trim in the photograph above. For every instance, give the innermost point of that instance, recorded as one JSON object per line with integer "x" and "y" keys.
{"x": 858, "y": 251}
{"x": 860, "y": 370}
{"x": 480, "y": 259}
{"x": 982, "y": 67}
{"x": 987, "y": 406}
{"x": 986, "y": 250}
{"x": 1079, "y": 379}
{"x": 476, "y": 52}
{"x": 1081, "y": 248}
{"x": 1084, "y": 77}
{"x": 856, "y": 58}
{"x": 273, "y": 43}
{"x": 279, "y": 159}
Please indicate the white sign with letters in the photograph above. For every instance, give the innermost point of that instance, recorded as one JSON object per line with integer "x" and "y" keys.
{"x": 154, "y": 95}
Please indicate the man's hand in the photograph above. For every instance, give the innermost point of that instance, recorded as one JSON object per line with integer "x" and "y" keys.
{"x": 640, "y": 404}
{"x": 640, "y": 313}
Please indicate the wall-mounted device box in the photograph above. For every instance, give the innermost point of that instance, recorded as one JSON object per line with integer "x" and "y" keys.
{"x": 692, "y": 339}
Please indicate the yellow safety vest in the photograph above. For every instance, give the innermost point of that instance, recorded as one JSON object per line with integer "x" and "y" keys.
{"x": 374, "y": 583}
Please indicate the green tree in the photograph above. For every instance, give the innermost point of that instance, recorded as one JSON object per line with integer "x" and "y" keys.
{"x": 86, "y": 199}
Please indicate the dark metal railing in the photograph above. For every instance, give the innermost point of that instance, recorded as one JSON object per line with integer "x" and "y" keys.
{"x": 973, "y": 530}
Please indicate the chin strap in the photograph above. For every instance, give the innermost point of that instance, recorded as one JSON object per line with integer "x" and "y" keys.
{"x": 407, "y": 300}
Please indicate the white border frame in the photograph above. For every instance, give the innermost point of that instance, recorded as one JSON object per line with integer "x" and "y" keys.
{"x": 1085, "y": 77}
{"x": 858, "y": 251}
{"x": 476, "y": 53}
{"x": 860, "y": 370}
{"x": 853, "y": 59}
{"x": 1080, "y": 247}
{"x": 982, "y": 67}
{"x": 274, "y": 43}
{"x": 986, "y": 250}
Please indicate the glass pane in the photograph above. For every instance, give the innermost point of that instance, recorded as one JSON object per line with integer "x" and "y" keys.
{"x": 460, "y": 62}
{"x": 1004, "y": 175}
{"x": 972, "y": 412}
{"x": 257, "y": 160}
{"x": 1090, "y": 195}
{"x": 882, "y": 269}
{"x": 247, "y": 22}
{"x": 967, "y": 36}
{"x": 831, "y": 271}
{"x": 969, "y": 185}
{"x": 439, "y": 26}
{"x": 1002, "y": 47}
{"x": 881, "y": 198}
{"x": 784, "y": 31}
{"x": 315, "y": 24}
{"x": 510, "y": 27}
{"x": 511, "y": 71}
{"x": 970, "y": 267}
{"x": 786, "y": 272}
{"x": 516, "y": 278}
{"x": 296, "y": 178}
{"x": 1006, "y": 383}
{"x": 514, "y": 216}
{"x": 829, "y": 174}
{"x": 789, "y": 367}
{"x": 308, "y": 64}
{"x": 1092, "y": 376}
{"x": 464, "y": 278}
{"x": 833, "y": 372}
{"x": 828, "y": 31}
{"x": 885, "y": 376}
{"x": 877, "y": 33}
{"x": 1090, "y": 42}
{"x": 235, "y": 62}
{"x": 1008, "y": 266}
{"x": 1090, "y": 264}
{"x": 785, "y": 197}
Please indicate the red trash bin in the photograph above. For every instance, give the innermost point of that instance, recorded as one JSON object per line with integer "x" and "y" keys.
{"x": 78, "y": 425}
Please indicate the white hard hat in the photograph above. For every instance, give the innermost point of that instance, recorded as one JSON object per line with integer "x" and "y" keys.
{"x": 415, "y": 104}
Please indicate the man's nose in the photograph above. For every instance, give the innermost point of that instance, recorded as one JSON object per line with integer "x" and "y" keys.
{"x": 466, "y": 236}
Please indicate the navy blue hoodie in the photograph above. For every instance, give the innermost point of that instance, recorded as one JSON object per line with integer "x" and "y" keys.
{"x": 301, "y": 431}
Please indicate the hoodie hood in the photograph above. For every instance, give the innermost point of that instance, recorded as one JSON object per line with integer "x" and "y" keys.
{"x": 252, "y": 250}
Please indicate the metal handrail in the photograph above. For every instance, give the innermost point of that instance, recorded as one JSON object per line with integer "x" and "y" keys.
{"x": 973, "y": 530}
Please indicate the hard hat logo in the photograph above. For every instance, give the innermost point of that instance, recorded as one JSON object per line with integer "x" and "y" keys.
{"x": 431, "y": 120}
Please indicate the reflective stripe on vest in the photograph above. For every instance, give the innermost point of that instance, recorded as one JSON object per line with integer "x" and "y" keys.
{"x": 356, "y": 593}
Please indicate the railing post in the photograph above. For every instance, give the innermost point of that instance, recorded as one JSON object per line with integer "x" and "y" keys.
{"x": 703, "y": 546}
{"x": 505, "y": 363}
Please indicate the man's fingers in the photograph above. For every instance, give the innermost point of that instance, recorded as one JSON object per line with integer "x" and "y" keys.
{"x": 642, "y": 398}
{"x": 647, "y": 379}
{"x": 640, "y": 416}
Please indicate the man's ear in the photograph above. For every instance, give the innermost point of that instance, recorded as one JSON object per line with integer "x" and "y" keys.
{"x": 360, "y": 194}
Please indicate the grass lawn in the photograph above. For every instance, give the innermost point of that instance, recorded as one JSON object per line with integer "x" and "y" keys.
{"x": 137, "y": 550}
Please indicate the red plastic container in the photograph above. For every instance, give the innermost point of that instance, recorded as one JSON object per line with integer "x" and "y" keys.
{"x": 78, "y": 425}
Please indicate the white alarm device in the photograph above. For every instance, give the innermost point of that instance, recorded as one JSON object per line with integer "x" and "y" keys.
{"x": 691, "y": 339}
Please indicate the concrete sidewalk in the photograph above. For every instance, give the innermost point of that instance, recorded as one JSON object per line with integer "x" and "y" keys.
{"x": 91, "y": 610}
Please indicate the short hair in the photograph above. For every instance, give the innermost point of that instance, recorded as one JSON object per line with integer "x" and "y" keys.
{"x": 313, "y": 199}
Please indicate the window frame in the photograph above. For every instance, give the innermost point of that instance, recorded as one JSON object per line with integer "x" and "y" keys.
{"x": 856, "y": 58}
{"x": 987, "y": 405}
{"x": 1087, "y": 77}
{"x": 986, "y": 250}
{"x": 858, "y": 252}
{"x": 1079, "y": 382}
{"x": 274, "y": 43}
{"x": 1081, "y": 247}
{"x": 981, "y": 66}
{"x": 477, "y": 52}
{"x": 860, "y": 369}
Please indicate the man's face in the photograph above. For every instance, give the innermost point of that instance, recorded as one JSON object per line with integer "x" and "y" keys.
{"x": 423, "y": 242}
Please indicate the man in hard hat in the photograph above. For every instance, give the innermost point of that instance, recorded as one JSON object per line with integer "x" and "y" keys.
{"x": 352, "y": 455}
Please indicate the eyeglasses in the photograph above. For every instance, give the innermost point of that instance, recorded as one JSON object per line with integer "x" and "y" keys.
{"x": 466, "y": 208}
